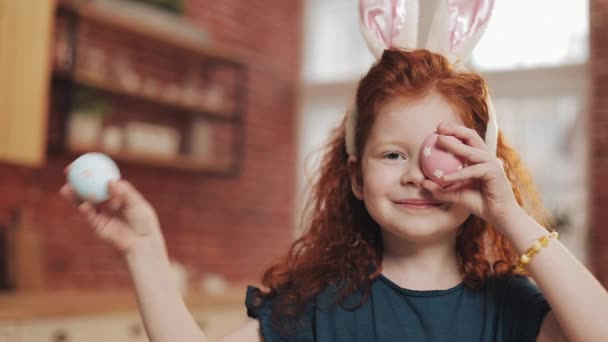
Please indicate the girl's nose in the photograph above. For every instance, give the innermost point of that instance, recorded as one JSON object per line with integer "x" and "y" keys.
{"x": 412, "y": 174}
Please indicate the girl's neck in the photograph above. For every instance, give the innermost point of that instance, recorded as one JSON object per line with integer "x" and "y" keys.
{"x": 432, "y": 266}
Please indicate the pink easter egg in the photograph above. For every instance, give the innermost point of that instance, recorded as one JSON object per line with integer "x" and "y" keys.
{"x": 436, "y": 162}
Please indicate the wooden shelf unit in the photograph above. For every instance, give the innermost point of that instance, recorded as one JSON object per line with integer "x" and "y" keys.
{"x": 183, "y": 163}
{"x": 114, "y": 16}
{"x": 114, "y": 89}
{"x": 98, "y": 12}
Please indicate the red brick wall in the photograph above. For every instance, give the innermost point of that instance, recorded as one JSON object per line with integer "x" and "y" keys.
{"x": 234, "y": 227}
{"x": 599, "y": 138}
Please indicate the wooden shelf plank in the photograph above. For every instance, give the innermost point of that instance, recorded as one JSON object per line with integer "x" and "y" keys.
{"x": 184, "y": 163}
{"x": 113, "y": 88}
{"x": 173, "y": 31}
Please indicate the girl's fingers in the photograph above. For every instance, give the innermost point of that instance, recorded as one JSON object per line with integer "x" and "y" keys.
{"x": 98, "y": 220}
{"x": 68, "y": 193}
{"x": 432, "y": 186}
{"x": 459, "y": 185}
{"x": 467, "y": 135}
{"x": 89, "y": 211}
{"x": 471, "y": 154}
{"x": 440, "y": 192}
{"x": 477, "y": 171}
{"x": 115, "y": 204}
{"x": 102, "y": 226}
{"x": 124, "y": 193}
{"x": 454, "y": 186}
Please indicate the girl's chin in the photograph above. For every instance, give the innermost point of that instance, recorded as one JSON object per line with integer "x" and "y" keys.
{"x": 421, "y": 234}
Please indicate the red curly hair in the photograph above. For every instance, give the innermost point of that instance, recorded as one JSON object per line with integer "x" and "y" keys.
{"x": 341, "y": 244}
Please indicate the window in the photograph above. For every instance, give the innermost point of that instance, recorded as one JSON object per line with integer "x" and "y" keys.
{"x": 334, "y": 50}
{"x": 525, "y": 34}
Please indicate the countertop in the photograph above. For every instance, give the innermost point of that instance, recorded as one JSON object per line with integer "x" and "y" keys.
{"x": 41, "y": 305}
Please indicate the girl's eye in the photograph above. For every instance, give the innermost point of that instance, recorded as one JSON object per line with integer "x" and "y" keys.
{"x": 393, "y": 156}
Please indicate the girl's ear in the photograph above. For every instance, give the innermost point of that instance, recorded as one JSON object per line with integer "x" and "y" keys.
{"x": 356, "y": 178}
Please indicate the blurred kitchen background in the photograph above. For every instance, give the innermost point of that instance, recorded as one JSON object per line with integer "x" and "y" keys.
{"x": 216, "y": 111}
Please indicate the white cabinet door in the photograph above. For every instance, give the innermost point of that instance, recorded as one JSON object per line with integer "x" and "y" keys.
{"x": 121, "y": 328}
{"x": 127, "y": 327}
{"x": 60, "y": 330}
{"x": 218, "y": 323}
{"x": 8, "y": 332}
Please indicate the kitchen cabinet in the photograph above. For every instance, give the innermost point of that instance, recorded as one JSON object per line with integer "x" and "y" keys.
{"x": 25, "y": 39}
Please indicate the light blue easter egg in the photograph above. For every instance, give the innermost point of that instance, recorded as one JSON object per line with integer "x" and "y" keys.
{"x": 90, "y": 174}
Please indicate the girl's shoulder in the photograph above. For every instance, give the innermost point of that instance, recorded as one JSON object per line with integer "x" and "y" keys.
{"x": 260, "y": 307}
{"x": 273, "y": 328}
{"x": 520, "y": 302}
{"x": 518, "y": 285}
{"x": 517, "y": 293}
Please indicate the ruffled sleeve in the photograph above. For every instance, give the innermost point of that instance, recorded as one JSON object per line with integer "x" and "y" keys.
{"x": 261, "y": 310}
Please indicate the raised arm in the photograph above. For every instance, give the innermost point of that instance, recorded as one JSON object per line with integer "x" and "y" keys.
{"x": 579, "y": 303}
{"x": 129, "y": 223}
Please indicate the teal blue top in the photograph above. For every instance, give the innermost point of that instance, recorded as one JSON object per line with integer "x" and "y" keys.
{"x": 503, "y": 310}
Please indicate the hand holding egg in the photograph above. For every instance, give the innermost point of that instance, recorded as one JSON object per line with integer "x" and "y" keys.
{"x": 481, "y": 186}
{"x": 90, "y": 174}
{"x": 125, "y": 219}
{"x": 436, "y": 162}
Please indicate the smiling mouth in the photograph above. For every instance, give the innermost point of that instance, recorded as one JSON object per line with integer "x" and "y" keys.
{"x": 420, "y": 206}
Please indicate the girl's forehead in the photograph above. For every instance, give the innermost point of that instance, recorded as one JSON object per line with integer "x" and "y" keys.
{"x": 414, "y": 118}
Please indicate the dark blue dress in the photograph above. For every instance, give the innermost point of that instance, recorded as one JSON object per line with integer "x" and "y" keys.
{"x": 503, "y": 310}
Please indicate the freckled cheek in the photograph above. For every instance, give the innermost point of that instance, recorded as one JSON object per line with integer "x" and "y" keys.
{"x": 380, "y": 181}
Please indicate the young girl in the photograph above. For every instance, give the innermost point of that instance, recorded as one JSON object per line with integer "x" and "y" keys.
{"x": 387, "y": 254}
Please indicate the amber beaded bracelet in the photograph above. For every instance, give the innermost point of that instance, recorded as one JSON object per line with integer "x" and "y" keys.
{"x": 542, "y": 242}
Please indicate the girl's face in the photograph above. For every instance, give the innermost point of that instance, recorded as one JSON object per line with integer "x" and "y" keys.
{"x": 391, "y": 173}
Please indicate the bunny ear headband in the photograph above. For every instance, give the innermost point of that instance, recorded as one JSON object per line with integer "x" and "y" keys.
{"x": 456, "y": 28}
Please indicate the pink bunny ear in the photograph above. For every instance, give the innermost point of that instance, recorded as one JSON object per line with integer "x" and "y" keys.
{"x": 457, "y": 27}
{"x": 388, "y": 23}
